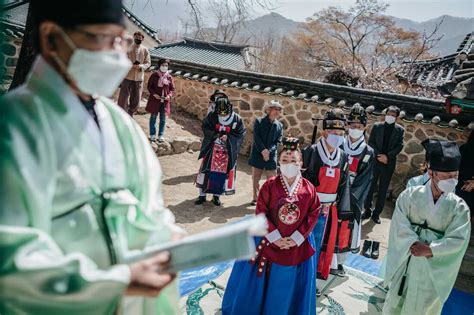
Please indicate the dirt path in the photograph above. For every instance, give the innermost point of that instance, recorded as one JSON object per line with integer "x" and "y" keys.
{"x": 179, "y": 173}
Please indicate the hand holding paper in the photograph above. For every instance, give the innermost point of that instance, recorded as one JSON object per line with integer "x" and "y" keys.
{"x": 233, "y": 241}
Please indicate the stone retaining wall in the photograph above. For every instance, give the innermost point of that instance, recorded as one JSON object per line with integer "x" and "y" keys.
{"x": 193, "y": 97}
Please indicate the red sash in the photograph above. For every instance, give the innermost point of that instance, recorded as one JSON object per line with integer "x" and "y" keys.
{"x": 328, "y": 183}
{"x": 329, "y": 243}
{"x": 353, "y": 165}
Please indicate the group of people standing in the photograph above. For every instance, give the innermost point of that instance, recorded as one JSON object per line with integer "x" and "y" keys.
{"x": 81, "y": 190}
{"x": 315, "y": 206}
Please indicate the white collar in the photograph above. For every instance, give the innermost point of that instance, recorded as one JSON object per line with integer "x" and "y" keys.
{"x": 432, "y": 204}
{"x": 291, "y": 189}
{"x": 333, "y": 159}
{"x": 356, "y": 148}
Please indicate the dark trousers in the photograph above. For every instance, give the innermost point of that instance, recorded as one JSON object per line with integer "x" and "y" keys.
{"x": 130, "y": 95}
{"x": 382, "y": 172}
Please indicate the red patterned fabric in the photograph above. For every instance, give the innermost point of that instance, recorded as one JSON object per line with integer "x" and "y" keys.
{"x": 219, "y": 159}
{"x": 289, "y": 214}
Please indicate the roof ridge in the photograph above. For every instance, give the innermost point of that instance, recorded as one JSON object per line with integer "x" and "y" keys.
{"x": 215, "y": 43}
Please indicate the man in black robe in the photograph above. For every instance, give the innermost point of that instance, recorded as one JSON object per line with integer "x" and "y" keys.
{"x": 361, "y": 163}
{"x": 325, "y": 166}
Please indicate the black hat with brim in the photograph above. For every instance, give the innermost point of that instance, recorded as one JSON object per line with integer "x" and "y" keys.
{"x": 335, "y": 120}
{"x": 428, "y": 144}
{"x": 444, "y": 156}
{"x": 217, "y": 92}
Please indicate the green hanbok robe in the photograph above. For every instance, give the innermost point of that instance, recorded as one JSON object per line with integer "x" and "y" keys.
{"x": 429, "y": 280}
{"x": 75, "y": 200}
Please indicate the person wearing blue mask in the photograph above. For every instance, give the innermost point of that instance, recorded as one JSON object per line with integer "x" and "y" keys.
{"x": 80, "y": 184}
{"x": 386, "y": 138}
{"x": 326, "y": 166}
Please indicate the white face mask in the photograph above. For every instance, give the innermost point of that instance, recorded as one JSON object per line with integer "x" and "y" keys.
{"x": 223, "y": 119}
{"x": 389, "y": 119}
{"x": 96, "y": 72}
{"x": 355, "y": 133}
{"x": 447, "y": 185}
{"x": 334, "y": 140}
{"x": 290, "y": 170}
{"x": 163, "y": 69}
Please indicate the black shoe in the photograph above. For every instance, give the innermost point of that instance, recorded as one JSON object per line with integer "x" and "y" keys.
{"x": 367, "y": 248}
{"x": 340, "y": 271}
{"x": 200, "y": 200}
{"x": 216, "y": 201}
{"x": 318, "y": 293}
{"x": 366, "y": 215}
{"x": 376, "y": 218}
{"x": 375, "y": 250}
{"x": 253, "y": 203}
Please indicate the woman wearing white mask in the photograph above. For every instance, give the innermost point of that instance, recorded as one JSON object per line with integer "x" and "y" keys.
{"x": 281, "y": 279}
{"x": 361, "y": 161}
{"x": 429, "y": 235}
{"x": 80, "y": 185}
{"x": 326, "y": 167}
{"x": 161, "y": 88}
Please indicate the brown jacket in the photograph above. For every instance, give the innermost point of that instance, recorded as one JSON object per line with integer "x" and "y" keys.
{"x": 142, "y": 55}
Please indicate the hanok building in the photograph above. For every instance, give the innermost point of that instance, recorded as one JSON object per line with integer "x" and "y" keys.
{"x": 12, "y": 25}
{"x": 214, "y": 54}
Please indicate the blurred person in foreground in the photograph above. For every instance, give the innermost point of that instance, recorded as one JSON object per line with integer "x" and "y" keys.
{"x": 429, "y": 235}
{"x": 81, "y": 187}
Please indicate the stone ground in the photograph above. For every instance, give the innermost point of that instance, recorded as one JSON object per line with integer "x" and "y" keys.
{"x": 179, "y": 173}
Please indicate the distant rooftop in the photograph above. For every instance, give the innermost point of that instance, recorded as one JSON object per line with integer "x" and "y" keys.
{"x": 434, "y": 72}
{"x": 216, "y": 54}
{"x": 14, "y": 16}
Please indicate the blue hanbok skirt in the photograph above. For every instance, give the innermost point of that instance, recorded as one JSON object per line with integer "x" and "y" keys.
{"x": 318, "y": 234}
{"x": 284, "y": 290}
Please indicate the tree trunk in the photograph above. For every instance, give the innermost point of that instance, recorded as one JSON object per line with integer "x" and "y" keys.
{"x": 28, "y": 50}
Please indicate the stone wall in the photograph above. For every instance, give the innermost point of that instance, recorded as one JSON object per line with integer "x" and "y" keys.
{"x": 193, "y": 97}
{"x": 9, "y": 52}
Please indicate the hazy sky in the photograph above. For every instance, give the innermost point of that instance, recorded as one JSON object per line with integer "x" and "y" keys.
{"x": 417, "y": 10}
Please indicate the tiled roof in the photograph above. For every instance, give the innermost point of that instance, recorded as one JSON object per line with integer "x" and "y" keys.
{"x": 16, "y": 13}
{"x": 145, "y": 27}
{"x": 434, "y": 72}
{"x": 414, "y": 109}
{"x": 206, "y": 53}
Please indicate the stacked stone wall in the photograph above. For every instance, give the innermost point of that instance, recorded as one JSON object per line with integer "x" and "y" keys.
{"x": 193, "y": 97}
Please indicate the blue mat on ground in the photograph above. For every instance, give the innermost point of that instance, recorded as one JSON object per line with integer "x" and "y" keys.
{"x": 364, "y": 264}
{"x": 458, "y": 302}
{"x": 192, "y": 279}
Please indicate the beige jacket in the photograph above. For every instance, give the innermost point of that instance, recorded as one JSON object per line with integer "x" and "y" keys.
{"x": 141, "y": 54}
